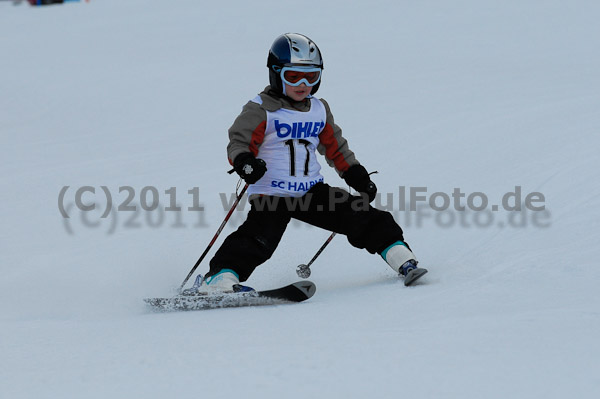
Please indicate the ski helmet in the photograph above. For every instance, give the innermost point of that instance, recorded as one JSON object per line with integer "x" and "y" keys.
{"x": 292, "y": 49}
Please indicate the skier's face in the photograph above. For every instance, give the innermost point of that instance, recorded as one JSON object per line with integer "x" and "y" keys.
{"x": 297, "y": 93}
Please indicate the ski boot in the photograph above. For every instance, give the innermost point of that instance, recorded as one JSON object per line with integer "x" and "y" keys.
{"x": 403, "y": 262}
{"x": 224, "y": 282}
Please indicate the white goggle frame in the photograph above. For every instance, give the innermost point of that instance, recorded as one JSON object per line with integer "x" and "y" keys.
{"x": 300, "y": 69}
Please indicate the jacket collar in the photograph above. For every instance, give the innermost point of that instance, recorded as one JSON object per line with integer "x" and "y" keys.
{"x": 272, "y": 101}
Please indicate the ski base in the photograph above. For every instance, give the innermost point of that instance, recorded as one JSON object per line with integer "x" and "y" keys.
{"x": 293, "y": 293}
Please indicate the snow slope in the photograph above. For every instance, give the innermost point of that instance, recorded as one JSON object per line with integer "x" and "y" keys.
{"x": 483, "y": 96}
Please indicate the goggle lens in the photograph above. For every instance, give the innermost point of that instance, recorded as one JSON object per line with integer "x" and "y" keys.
{"x": 296, "y": 76}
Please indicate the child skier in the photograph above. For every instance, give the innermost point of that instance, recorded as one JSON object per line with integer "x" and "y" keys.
{"x": 272, "y": 146}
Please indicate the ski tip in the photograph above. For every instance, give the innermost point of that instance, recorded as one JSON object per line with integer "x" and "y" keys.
{"x": 307, "y": 288}
{"x": 414, "y": 275}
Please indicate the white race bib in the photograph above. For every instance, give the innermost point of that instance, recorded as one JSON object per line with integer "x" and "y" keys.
{"x": 289, "y": 149}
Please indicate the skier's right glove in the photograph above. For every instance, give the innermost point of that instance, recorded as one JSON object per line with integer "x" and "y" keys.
{"x": 358, "y": 178}
{"x": 250, "y": 168}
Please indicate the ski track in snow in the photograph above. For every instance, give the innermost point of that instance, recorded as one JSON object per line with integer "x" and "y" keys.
{"x": 484, "y": 97}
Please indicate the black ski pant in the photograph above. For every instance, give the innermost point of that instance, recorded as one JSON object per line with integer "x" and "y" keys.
{"x": 330, "y": 208}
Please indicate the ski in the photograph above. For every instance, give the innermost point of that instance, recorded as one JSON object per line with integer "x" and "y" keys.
{"x": 292, "y": 293}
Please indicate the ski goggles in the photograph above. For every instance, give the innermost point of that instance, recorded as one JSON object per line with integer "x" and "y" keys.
{"x": 296, "y": 75}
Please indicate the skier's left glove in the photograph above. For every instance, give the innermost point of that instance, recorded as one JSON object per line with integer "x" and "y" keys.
{"x": 358, "y": 178}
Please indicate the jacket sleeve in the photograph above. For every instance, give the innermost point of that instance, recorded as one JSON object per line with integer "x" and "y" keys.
{"x": 334, "y": 146}
{"x": 247, "y": 132}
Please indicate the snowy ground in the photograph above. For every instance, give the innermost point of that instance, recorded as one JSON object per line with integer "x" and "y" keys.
{"x": 483, "y": 96}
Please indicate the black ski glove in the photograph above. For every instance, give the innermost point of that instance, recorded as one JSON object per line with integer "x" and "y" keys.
{"x": 251, "y": 169}
{"x": 358, "y": 178}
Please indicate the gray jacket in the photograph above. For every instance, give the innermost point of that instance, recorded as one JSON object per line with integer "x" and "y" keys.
{"x": 248, "y": 129}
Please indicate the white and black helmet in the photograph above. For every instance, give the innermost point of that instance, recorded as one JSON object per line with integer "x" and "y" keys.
{"x": 289, "y": 50}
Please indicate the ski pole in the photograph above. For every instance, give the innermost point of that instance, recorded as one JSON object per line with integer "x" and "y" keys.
{"x": 237, "y": 200}
{"x": 303, "y": 271}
